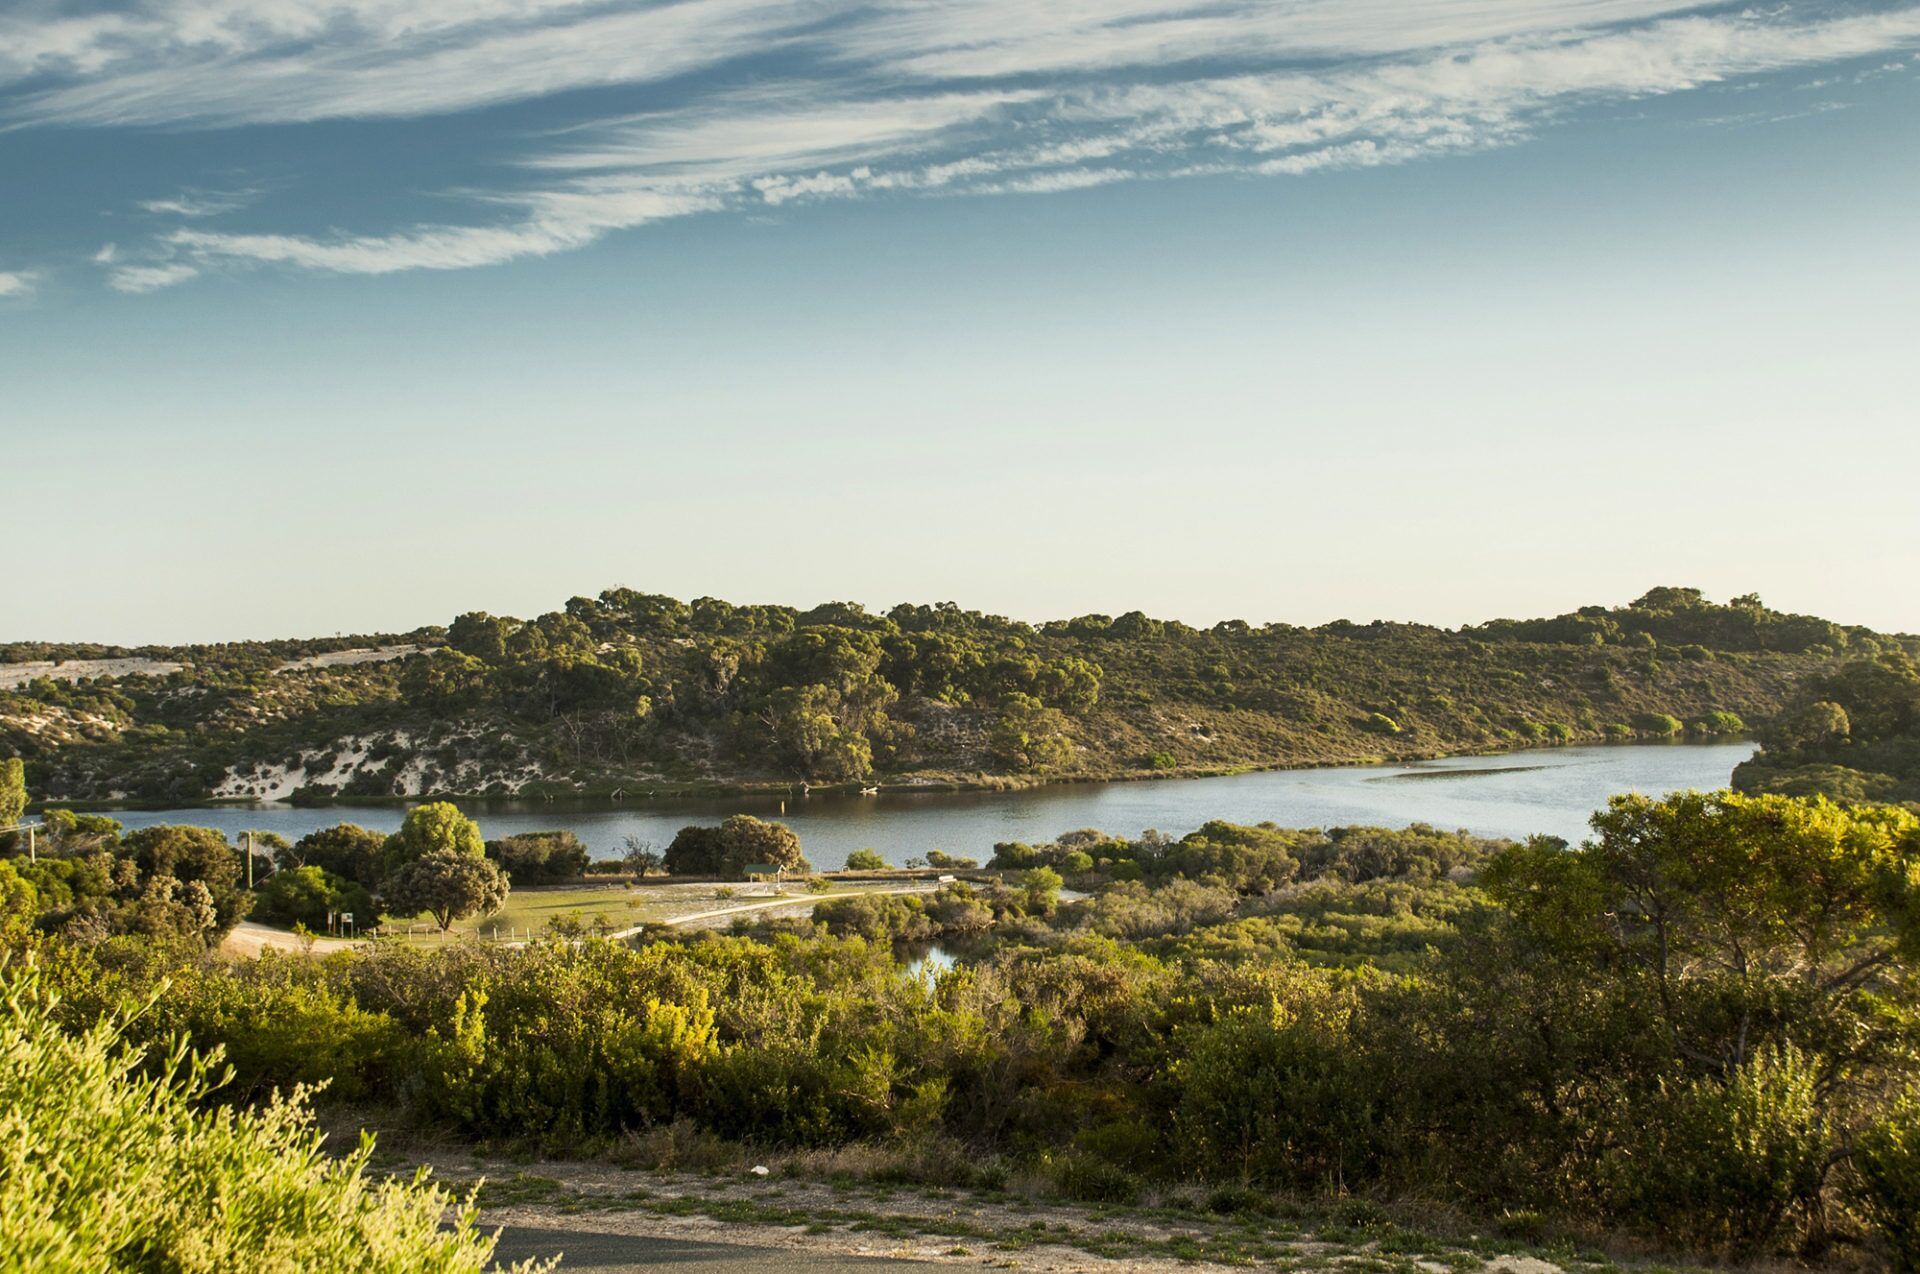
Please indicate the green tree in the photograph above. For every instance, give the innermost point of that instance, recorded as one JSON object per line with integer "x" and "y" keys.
{"x": 694, "y": 851}
{"x": 13, "y": 790}
{"x": 1030, "y": 736}
{"x": 308, "y": 896}
{"x": 436, "y": 827}
{"x": 1739, "y": 920}
{"x": 540, "y": 858}
{"x": 447, "y": 884}
{"x": 807, "y": 728}
{"x": 192, "y": 856}
{"x": 643, "y": 858}
{"x": 344, "y": 849}
{"x": 1040, "y": 890}
{"x": 741, "y": 841}
{"x": 745, "y": 840}
{"x": 865, "y": 860}
{"x": 480, "y": 636}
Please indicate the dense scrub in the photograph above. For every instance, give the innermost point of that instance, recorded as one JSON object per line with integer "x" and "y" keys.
{"x": 628, "y": 690}
{"x": 115, "y": 1160}
{"x": 1700, "y": 1028}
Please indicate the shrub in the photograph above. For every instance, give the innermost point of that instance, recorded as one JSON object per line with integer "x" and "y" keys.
{"x": 865, "y": 860}
{"x": 1658, "y": 724}
{"x": 565, "y": 1042}
{"x": 1885, "y": 1184}
{"x": 1380, "y": 723}
{"x": 113, "y": 1168}
{"x": 1088, "y": 1178}
{"x": 1274, "y": 1094}
{"x": 1719, "y": 1165}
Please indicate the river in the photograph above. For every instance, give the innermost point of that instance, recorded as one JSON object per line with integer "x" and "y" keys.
{"x": 1517, "y": 794}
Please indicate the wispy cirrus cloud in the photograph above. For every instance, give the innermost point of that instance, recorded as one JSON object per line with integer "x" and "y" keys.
{"x": 880, "y": 98}
{"x": 149, "y": 278}
{"x": 199, "y": 203}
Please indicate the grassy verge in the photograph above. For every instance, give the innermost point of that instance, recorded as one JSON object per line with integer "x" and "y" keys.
{"x": 621, "y": 907}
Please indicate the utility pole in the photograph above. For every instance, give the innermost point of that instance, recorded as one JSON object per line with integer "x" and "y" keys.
{"x": 31, "y": 829}
{"x": 249, "y": 836}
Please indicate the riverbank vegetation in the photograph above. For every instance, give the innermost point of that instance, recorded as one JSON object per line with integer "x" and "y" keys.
{"x": 628, "y": 693}
{"x": 1852, "y": 733}
{"x": 1700, "y": 1031}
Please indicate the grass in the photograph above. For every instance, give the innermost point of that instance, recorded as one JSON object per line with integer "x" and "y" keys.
{"x": 623, "y": 907}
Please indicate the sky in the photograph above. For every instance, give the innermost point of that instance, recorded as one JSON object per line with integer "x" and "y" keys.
{"x": 347, "y": 317}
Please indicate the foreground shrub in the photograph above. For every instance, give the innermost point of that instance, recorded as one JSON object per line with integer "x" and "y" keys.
{"x": 555, "y": 1046}
{"x": 1885, "y": 1187}
{"x": 1721, "y": 1165}
{"x": 103, "y": 1166}
{"x": 1275, "y": 1094}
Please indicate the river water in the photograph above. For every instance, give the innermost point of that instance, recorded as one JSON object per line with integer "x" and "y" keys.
{"x": 1550, "y": 790}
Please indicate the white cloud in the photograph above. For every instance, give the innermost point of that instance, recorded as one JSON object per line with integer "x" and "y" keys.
{"x": 555, "y": 222}
{"x": 199, "y": 203}
{"x": 149, "y": 278}
{"x": 14, "y": 283}
{"x": 879, "y": 97}
{"x": 243, "y": 63}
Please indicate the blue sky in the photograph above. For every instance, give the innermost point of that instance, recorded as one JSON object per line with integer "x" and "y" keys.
{"x": 350, "y": 316}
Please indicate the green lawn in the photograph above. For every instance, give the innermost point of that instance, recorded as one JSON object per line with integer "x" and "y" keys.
{"x": 623, "y": 906}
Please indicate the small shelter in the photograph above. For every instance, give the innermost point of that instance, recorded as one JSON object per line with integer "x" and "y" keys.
{"x": 764, "y": 871}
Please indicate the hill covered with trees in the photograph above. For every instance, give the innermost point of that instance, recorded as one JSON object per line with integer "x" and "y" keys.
{"x": 1852, "y": 733}
{"x": 633, "y": 692}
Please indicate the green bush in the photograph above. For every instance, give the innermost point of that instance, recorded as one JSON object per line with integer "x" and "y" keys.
{"x": 308, "y": 896}
{"x": 1658, "y": 724}
{"x": 1089, "y": 1178}
{"x": 1719, "y": 1165}
{"x": 281, "y": 1026}
{"x": 1275, "y": 1094}
{"x": 1885, "y": 1183}
{"x": 113, "y": 1162}
{"x": 565, "y": 1042}
{"x": 865, "y": 860}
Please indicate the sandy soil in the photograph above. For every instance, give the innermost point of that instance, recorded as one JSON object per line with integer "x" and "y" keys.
{"x": 902, "y": 1223}
{"x": 346, "y": 658}
{"x": 15, "y": 675}
{"x": 249, "y": 939}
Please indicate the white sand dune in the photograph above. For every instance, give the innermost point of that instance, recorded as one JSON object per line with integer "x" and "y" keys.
{"x": 346, "y": 658}
{"x": 12, "y": 676}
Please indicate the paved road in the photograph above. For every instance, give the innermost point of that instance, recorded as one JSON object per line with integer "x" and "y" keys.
{"x": 629, "y": 1254}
